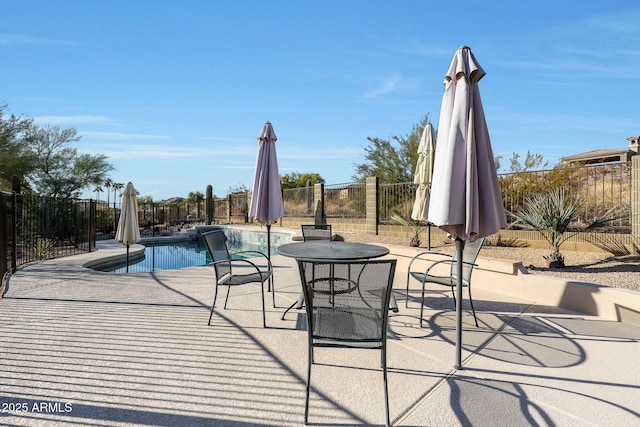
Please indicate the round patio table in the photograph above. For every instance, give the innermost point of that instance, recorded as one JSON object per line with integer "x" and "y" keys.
{"x": 325, "y": 250}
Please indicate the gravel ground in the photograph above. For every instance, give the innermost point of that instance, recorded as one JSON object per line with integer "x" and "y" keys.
{"x": 592, "y": 267}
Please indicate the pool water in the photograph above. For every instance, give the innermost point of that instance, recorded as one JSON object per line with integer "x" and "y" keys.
{"x": 176, "y": 255}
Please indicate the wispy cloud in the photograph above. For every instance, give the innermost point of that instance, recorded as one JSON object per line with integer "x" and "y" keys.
{"x": 601, "y": 46}
{"x": 121, "y": 136}
{"x": 74, "y": 119}
{"x": 20, "y": 39}
{"x": 391, "y": 84}
{"x": 173, "y": 151}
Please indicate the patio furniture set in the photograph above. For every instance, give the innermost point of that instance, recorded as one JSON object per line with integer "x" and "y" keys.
{"x": 346, "y": 288}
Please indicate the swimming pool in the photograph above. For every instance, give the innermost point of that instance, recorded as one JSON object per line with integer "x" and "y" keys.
{"x": 175, "y": 255}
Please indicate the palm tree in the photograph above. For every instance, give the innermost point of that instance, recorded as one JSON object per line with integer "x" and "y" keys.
{"x": 555, "y": 217}
{"x": 117, "y": 186}
{"x": 98, "y": 190}
{"x": 108, "y": 183}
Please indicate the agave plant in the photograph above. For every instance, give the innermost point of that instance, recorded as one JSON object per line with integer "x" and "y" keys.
{"x": 554, "y": 216}
{"x": 402, "y": 216}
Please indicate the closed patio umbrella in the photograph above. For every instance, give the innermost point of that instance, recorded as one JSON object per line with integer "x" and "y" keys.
{"x": 423, "y": 175}
{"x": 128, "y": 231}
{"x": 266, "y": 200}
{"x": 465, "y": 195}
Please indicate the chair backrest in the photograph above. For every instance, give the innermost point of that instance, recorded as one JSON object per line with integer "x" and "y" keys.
{"x": 316, "y": 232}
{"x": 347, "y": 301}
{"x": 216, "y": 244}
{"x": 469, "y": 255}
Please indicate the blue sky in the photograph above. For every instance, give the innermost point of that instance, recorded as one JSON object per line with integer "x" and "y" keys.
{"x": 175, "y": 92}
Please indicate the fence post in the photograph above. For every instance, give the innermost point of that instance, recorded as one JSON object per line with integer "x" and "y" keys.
{"x": 92, "y": 224}
{"x": 371, "y": 195}
{"x": 228, "y": 208}
{"x": 635, "y": 196}
{"x": 318, "y": 198}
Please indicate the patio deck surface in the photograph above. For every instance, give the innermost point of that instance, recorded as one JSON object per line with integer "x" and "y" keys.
{"x": 80, "y": 347}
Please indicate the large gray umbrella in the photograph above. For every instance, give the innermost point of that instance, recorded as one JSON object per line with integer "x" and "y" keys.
{"x": 266, "y": 200}
{"x": 465, "y": 195}
{"x": 423, "y": 176}
{"x": 128, "y": 231}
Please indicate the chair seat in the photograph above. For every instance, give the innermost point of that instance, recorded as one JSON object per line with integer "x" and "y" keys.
{"x": 354, "y": 324}
{"x": 439, "y": 280}
{"x": 241, "y": 279}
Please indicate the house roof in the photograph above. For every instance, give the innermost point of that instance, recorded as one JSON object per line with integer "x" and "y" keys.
{"x": 601, "y": 156}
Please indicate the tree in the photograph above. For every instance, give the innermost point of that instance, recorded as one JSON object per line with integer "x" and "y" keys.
{"x": 238, "y": 188}
{"x": 533, "y": 161}
{"x": 195, "y": 197}
{"x": 98, "y": 190}
{"x": 108, "y": 183}
{"x": 298, "y": 180}
{"x": 392, "y": 160}
{"x": 117, "y": 187}
{"x": 60, "y": 171}
{"x": 16, "y": 160}
{"x": 555, "y": 217}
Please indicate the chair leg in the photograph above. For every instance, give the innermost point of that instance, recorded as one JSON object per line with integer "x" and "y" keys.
{"x": 264, "y": 318}
{"x": 287, "y": 310}
{"x": 227, "y": 297}
{"x": 422, "y": 304}
{"x": 213, "y": 304}
{"x": 386, "y": 387}
{"x": 406, "y": 299}
{"x": 473, "y": 310}
{"x": 306, "y": 404}
{"x": 273, "y": 290}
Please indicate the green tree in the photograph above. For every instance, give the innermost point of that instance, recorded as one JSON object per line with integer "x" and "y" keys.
{"x": 195, "y": 197}
{"x": 555, "y": 217}
{"x": 16, "y": 160}
{"x": 98, "y": 190}
{"x": 60, "y": 171}
{"x": 532, "y": 162}
{"x": 298, "y": 180}
{"x": 392, "y": 160}
{"x": 117, "y": 187}
{"x": 108, "y": 183}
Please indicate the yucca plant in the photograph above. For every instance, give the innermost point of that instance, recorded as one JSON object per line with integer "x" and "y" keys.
{"x": 402, "y": 216}
{"x": 554, "y": 216}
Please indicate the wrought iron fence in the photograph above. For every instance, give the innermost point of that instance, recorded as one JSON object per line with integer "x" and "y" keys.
{"x": 298, "y": 201}
{"x": 393, "y": 197}
{"x": 35, "y": 228}
{"x": 601, "y": 188}
{"x": 345, "y": 200}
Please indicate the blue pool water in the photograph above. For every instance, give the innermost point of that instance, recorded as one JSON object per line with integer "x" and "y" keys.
{"x": 174, "y": 255}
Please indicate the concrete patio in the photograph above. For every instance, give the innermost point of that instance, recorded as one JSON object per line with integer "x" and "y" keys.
{"x": 80, "y": 347}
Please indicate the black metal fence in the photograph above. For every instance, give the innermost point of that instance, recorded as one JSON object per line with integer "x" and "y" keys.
{"x": 35, "y": 228}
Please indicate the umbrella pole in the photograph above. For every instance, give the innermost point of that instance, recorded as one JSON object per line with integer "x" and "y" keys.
{"x": 459, "y": 250}
{"x": 127, "y": 259}
{"x": 269, "y": 252}
{"x": 429, "y": 236}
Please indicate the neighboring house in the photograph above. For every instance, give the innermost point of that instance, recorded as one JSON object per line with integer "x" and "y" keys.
{"x": 606, "y": 155}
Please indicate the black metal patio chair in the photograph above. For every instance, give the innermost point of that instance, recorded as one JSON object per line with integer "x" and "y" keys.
{"x": 426, "y": 275}
{"x": 227, "y": 276}
{"x": 347, "y": 319}
{"x": 316, "y": 232}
